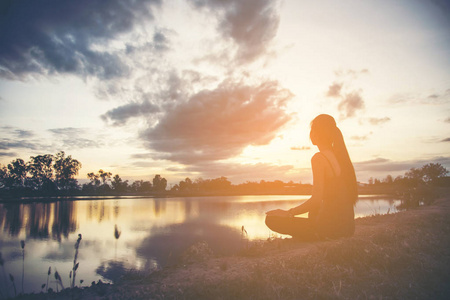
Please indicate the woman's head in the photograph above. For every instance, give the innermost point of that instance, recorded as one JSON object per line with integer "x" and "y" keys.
{"x": 323, "y": 130}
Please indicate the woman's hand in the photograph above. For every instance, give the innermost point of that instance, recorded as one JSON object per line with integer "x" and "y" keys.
{"x": 279, "y": 213}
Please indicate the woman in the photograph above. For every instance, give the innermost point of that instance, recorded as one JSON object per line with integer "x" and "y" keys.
{"x": 330, "y": 208}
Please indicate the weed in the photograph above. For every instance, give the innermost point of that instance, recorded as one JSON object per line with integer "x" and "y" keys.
{"x": 58, "y": 280}
{"x": 244, "y": 236}
{"x": 4, "y": 275}
{"x": 22, "y": 245}
{"x": 48, "y": 276}
{"x": 75, "y": 263}
{"x": 14, "y": 284}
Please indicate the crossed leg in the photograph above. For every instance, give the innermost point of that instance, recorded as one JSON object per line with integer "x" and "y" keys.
{"x": 299, "y": 228}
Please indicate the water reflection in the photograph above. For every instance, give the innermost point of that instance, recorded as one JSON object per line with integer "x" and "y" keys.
{"x": 132, "y": 233}
{"x": 37, "y": 219}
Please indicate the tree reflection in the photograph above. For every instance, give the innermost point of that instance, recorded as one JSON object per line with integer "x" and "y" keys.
{"x": 13, "y": 218}
{"x": 37, "y": 219}
{"x": 65, "y": 220}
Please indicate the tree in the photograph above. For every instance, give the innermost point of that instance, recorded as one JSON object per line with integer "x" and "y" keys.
{"x": 65, "y": 170}
{"x": 94, "y": 178}
{"x": 388, "y": 179}
{"x": 41, "y": 170}
{"x": 17, "y": 170}
{"x": 104, "y": 176}
{"x": 4, "y": 175}
{"x": 159, "y": 183}
{"x": 431, "y": 171}
{"x": 118, "y": 185}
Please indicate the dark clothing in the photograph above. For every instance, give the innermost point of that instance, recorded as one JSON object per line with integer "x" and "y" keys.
{"x": 333, "y": 218}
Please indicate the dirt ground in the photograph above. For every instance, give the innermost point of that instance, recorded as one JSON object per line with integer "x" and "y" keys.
{"x": 397, "y": 256}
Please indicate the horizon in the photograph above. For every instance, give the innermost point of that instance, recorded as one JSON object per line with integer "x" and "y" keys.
{"x": 129, "y": 88}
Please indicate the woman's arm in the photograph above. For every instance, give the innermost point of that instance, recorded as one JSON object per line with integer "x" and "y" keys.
{"x": 318, "y": 165}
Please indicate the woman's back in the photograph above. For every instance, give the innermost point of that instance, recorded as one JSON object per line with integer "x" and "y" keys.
{"x": 336, "y": 216}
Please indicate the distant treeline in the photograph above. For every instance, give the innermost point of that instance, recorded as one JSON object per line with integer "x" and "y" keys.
{"x": 54, "y": 175}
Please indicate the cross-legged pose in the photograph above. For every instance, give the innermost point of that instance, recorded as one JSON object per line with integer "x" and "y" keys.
{"x": 330, "y": 208}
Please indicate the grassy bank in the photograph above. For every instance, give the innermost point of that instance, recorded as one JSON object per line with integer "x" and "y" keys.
{"x": 401, "y": 256}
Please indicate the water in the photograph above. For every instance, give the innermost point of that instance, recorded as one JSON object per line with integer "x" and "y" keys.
{"x": 131, "y": 233}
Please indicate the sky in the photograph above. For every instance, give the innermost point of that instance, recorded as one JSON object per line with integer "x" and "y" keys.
{"x": 211, "y": 88}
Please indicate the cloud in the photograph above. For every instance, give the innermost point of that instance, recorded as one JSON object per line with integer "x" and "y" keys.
{"x": 238, "y": 173}
{"x": 120, "y": 115}
{"x": 218, "y": 124}
{"x": 359, "y": 137}
{"x": 379, "y": 121}
{"x": 351, "y": 73}
{"x": 438, "y": 98}
{"x": 7, "y": 144}
{"x": 251, "y": 24}
{"x": 350, "y": 104}
{"x": 385, "y": 165}
{"x": 23, "y": 133}
{"x": 65, "y": 36}
{"x": 71, "y": 139}
{"x": 334, "y": 90}
{"x": 300, "y": 148}
{"x": 446, "y": 140}
{"x": 8, "y": 154}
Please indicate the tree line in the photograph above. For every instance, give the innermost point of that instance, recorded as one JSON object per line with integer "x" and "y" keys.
{"x": 54, "y": 175}
{"x": 429, "y": 174}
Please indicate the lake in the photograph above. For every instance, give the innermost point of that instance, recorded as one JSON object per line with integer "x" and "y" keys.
{"x": 132, "y": 233}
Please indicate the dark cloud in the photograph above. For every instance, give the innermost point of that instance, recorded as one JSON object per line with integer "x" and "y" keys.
{"x": 7, "y": 144}
{"x": 446, "y": 140}
{"x": 386, "y": 165}
{"x": 8, "y": 154}
{"x": 65, "y": 36}
{"x": 251, "y": 24}
{"x": 71, "y": 138}
{"x": 379, "y": 121}
{"x": 334, "y": 90}
{"x": 120, "y": 115}
{"x": 23, "y": 133}
{"x": 350, "y": 104}
{"x": 219, "y": 124}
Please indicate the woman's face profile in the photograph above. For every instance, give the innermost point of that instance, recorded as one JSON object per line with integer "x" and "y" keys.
{"x": 313, "y": 137}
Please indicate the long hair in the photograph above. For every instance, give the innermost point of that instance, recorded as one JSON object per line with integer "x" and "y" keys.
{"x": 325, "y": 130}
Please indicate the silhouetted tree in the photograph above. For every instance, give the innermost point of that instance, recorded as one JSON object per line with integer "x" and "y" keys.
{"x": 118, "y": 185}
{"x": 431, "y": 172}
{"x": 3, "y": 176}
{"x": 17, "y": 171}
{"x": 41, "y": 170}
{"x": 65, "y": 170}
{"x": 104, "y": 176}
{"x": 94, "y": 178}
{"x": 159, "y": 183}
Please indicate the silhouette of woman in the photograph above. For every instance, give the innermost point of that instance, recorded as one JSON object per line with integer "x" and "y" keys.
{"x": 330, "y": 208}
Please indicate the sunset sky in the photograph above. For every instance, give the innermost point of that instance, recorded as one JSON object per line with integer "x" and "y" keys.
{"x": 210, "y": 88}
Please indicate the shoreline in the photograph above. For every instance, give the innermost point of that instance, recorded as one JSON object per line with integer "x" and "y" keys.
{"x": 51, "y": 199}
{"x": 402, "y": 255}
